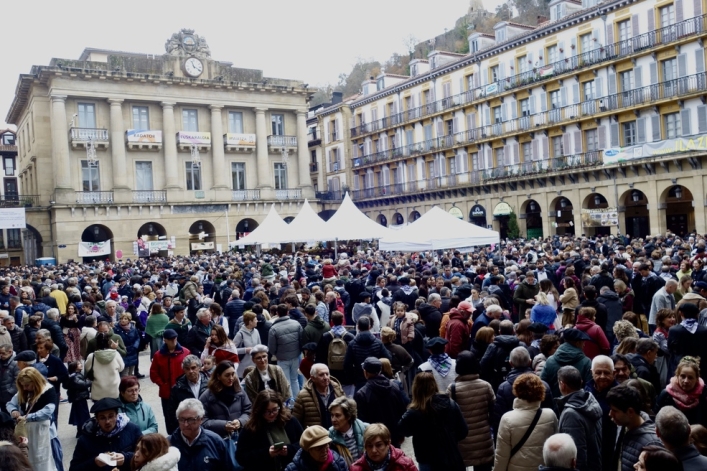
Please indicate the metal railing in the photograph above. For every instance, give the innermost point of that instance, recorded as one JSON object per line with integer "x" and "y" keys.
{"x": 536, "y": 167}
{"x": 94, "y": 197}
{"x": 245, "y": 195}
{"x": 18, "y": 201}
{"x": 289, "y": 194}
{"x": 543, "y": 72}
{"x": 313, "y": 167}
{"x": 331, "y": 195}
{"x": 282, "y": 141}
{"x": 149, "y": 196}
{"x": 84, "y": 134}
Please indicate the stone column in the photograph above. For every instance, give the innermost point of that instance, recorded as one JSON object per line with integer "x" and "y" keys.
{"x": 698, "y": 192}
{"x": 217, "y": 155}
{"x": 117, "y": 144}
{"x": 261, "y": 148}
{"x": 169, "y": 145}
{"x": 305, "y": 179}
{"x": 60, "y": 144}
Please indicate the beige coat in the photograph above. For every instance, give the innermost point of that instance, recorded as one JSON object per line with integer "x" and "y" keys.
{"x": 475, "y": 398}
{"x": 407, "y": 328}
{"x": 569, "y": 299}
{"x": 513, "y": 426}
{"x": 307, "y": 409}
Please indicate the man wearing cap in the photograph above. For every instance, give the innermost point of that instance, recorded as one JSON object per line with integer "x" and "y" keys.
{"x": 314, "y": 453}
{"x": 364, "y": 345}
{"x": 108, "y": 432}
{"x": 379, "y": 400}
{"x": 442, "y": 367}
{"x": 458, "y": 329}
{"x": 28, "y": 359}
{"x": 569, "y": 353}
{"x": 166, "y": 367}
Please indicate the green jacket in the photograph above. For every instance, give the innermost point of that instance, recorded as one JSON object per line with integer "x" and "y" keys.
{"x": 156, "y": 324}
{"x": 565, "y": 355}
{"x": 141, "y": 414}
{"x": 314, "y": 330}
{"x": 337, "y": 438}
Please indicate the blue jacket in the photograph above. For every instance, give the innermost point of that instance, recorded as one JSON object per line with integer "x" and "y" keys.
{"x": 140, "y": 414}
{"x": 303, "y": 462}
{"x": 90, "y": 445}
{"x": 131, "y": 339}
{"x": 209, "y": 452}
{"x": 544, "y": 314}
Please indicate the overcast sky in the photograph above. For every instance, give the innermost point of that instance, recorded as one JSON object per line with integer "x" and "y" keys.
{"x": 310, "y": 40}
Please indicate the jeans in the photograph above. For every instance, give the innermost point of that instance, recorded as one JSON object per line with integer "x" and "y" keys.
{"x": 155, "y": 345}
{"x": 290, "y": 367}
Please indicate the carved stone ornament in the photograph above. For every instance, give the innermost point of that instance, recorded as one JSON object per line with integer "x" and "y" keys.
{"x": 186, "y": 43}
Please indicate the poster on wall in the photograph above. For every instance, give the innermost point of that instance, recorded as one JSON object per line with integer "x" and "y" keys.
{"x": 202, "y": 246}
{"x": 652, "y": 149}
{"x": 600, "y": 217}
{"x": 12, "y": 218}
{"x": 94, "y": 249}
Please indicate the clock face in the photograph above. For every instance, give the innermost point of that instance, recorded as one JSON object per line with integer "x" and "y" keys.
{"x": 193, "y": 67}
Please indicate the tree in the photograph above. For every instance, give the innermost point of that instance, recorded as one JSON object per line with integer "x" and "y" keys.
{"x": 513, "y": 230}
{"x": 350, "y": 84}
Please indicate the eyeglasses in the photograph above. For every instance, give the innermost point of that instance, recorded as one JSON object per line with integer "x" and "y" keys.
{"x": 189, "y": 420}
{"x": 272, "y": 411}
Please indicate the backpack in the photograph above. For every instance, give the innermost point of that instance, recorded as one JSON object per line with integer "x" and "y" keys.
{"x": 336, "y": 353}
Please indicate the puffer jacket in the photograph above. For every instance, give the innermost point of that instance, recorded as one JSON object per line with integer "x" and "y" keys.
{"x": 494, "y": 364}
{"x": 635, "y": 440}
{"x": 307, "y": 406}
{"x": 513, "y": 426}
{"x": 505, "y": 397}
{"x": 380, "y": 400}
{"x": 398, "y": 462}
{"x": 8, "y": 377}
{"x": 284, "y": 339}
{"x": 458, "y": 332}
{"x": 131, "y": 339}
{"x": 599, "y": 344}
{"x": 566, "y": 354}
{"x": 189, "y": 291}
{"x": 569, "y": 299}
{"x": 303, "y": 462}
{"x": 217, "y": 412}
{"x": 245, "y": 339}
{"x": 167, "y": 367}
{"x": 407, "y": 327}
{"x": 545, "y": 314}
{"x": 581, "y": 419}
{"x": 363, "y": 346}
{"x": 315, "y": 329}
{"x": 208, "y": 452}
{"x": 141, "y": 414}
{"x": 196, "y": 340}
{"x": 166, "y": 462}
{"x": 475, "y": 398}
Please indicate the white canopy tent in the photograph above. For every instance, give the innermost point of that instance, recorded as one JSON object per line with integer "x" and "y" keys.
{"x": 437, "y": 229}
{"x": 306, "y": 227}
{"x": 269, "y": 232}
{"x": 349, "y": 223}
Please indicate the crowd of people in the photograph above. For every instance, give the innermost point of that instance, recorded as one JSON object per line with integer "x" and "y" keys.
{"x": 569, "y": 353}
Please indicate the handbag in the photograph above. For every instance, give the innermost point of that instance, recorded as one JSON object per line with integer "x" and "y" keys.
{"x": 89, "y": 374}
{"x": 525, "y": 438}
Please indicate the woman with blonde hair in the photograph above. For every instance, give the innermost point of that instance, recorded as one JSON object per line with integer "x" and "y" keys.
{"x": 686, "y": 392}
{"x": 684, "y": 287}
{"x": 543, "y": 312}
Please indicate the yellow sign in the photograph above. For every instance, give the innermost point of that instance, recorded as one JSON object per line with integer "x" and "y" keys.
{"x": 502, "y": 209}
{"x": 456, "y": 212}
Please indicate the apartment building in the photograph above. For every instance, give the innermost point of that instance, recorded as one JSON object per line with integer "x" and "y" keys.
{"x": 10, "y": 239}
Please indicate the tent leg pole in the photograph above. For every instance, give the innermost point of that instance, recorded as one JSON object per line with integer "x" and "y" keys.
{"x": 336, "y": 249}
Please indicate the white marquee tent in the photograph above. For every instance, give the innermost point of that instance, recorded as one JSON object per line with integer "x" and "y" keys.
{"x": 269, "y": 232}
{"x": 349, "y": 223}
{"x": 437, "y": 229}
{"x": 306, "y": 227}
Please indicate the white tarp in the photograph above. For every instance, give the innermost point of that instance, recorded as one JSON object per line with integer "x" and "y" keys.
{"x": 437, "y": 229}
{"x": 349, "y": 223}
{"x": 270, "y": 231}
{"x": 306, "y": 227}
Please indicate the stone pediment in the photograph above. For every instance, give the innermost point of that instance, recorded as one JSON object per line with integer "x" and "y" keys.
{"x": 186, "y": 43}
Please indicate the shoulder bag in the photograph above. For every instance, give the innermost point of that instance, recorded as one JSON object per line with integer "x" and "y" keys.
{"x": 525, "y": 438}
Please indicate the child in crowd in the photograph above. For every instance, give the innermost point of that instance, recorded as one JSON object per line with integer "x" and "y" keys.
{"x": 78, "y": 389}
{"x": 305, "y": 366}
{"x": 209, "y": 364}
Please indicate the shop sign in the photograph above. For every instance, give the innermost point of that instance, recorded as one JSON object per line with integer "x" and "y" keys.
{"x": 478, "y": 211}
{"x": 184, "y": 137}
{"x": 600, "y": 217}
{"x": 12, "y": 218}
{"x": 654, "y": 149}
{"x": 137, "y": 135}
{"x": 491, "y": 88}
{"x": 158, "y": 245}
{"x": 456, "y": 212}
{"x": 239, "y": 139}
{"x": 502, "y": 209}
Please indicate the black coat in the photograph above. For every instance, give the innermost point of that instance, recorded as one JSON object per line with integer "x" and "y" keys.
{"x": 432, "y": 318}
{"x": 364, "y": 345}
{"x": 78, "y": 387}
{"x": 495, "y": 365}
{"x": 57, "y": 336}
{"x": 681, "y": 343}
{"x": 322, "y": 355}
{"x": 379, "y": 400}
{"x": 181, "y": 389}
{"x": 90, "y": 445}
{"x": 252, "y": 451}
{"x": 646, "y": 371}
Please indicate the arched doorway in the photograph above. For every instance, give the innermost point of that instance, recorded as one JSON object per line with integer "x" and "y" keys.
{"x": 533, "y": 220}
{"x": 382, "y": 220}
{"x": 152, "y": 240}
{"x": 477, "y": 215}
{"x": 414, "y": 216}
{"x": 96, "y": 243}
{"x": 501, "y": 213}
{"x": 202, "y": 237}
{"x": 636, "y": 215}
{"x": 32, "y": 245}
{"x": 679, "y": 213}
{"x": 564, "y": 216}
{"x": 597, "y": 217}
{"x": 398, "y": 219}
{"x": 246, "y": 226}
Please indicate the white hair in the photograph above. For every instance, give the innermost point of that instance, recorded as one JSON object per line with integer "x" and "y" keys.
{"x": 316, "y": 367}
{"x": 434, "y": 297}
{"x": 493, "y": 308}
{"x": 671, "y": 282}
{"x": 203, "y": 312}
{"x": 602, "y": 360}
{"x": 560, "y": 451}
{"x": 53, "y": 313}
{"x": 519, "y": 357}
{"x": 193, "y": 405}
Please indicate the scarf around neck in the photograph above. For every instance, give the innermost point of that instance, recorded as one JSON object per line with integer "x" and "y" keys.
{"x": 120, "y": 422}
{"x": 377, "y": 466}
{"x": 690, "y": 324}
{"x": 338, "y": 330}
{"x": 441, "y": 363}
{"x": 685, "y": 400}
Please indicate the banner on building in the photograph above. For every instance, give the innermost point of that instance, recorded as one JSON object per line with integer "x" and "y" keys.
{"x": 157, "y": 246}
{"x": 137, "y": 135}
{"x": 202, "y": 246}
{"x": 655, "y": 149}
{"x": 600, "y": 217}
{"x": 239, "y": 139}
{"x": 94, "y": 249}
{"x": 12, "y": 218}
{"x": 189, "y": 137}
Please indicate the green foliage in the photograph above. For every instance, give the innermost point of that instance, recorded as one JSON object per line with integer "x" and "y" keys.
{"x": 350, "y": 83}
{"x": 513, "y": 229}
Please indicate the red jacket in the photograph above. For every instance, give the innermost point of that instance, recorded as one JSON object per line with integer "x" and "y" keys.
{"x": 329, "y": 271}
{"x": 457, "y": 334}
{"x": 398, "y": 462}
{"x": 167, "y": 367}
{"x": 598, "y": 345}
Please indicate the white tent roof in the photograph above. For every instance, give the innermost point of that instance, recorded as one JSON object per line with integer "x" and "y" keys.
{"x": 306, "y": 227}
{"x": 349, "y": 223}
{"x": 270, "y": 231}
{"x": 437, "y": 229}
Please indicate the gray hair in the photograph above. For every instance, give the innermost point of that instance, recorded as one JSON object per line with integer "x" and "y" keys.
{"x": 189, "y": 360}
{"x": 348, "y": 406}
{"x": 111, "y": 303}
{"x": 671, "y": 282}
{"x": 316, "y": 367}
{"x": 493, "y": 308}
{"x": 53, "y": 313}
{"x": 488, "y": 302}
{"x": 559, "y": 451}
{"x": 5, "y": 347}
{"x": 260, "y": 348}
{"x": 44, "y": 333}
{"x": 193, "y": 405}
{"x": 673, "y": 427}
{"x": 203, "y": 312}
{"x": 571, "y": 377}
{"x": 602, "y": 360}
{"x": 434, "y": 297}
{"x": 519, "y": 357}
{"x": 646, "y": 345}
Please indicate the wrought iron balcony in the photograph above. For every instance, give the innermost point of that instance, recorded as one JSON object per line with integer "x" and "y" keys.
{"x": 149, "y": 196}
{"x": 19, "y": 201}
{"x": 94, "y": 197}
{"x": 289, "y": 194}
{"x": 80, "y": 137}
{"x": 331, "y": 195}
{"x": 313, "y": 167}
{"x": 245, "y": 195}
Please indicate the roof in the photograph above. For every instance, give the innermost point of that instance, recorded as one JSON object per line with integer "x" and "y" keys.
{"x": 89, "y": 50}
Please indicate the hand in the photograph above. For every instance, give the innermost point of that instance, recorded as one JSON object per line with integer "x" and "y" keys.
{"x": 275, "y": 453}
{"x": 113, "y": 344}
{"x": 15, "y": 414}
{"x": 119, "y": 458}
{"x": 230, "y": 427}
{"x": 530, "y": 301}
{"x": 248, "y": 349}
{"x": 53, "y": 378}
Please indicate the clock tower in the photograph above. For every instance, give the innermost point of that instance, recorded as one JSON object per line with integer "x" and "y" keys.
{"x": 191, "y": 52}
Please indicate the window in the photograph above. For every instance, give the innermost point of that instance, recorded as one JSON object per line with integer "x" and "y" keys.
{"x": 474, "y": 46}
{"x": 585, "y": 42}
{"x": 500, "y": 157}
{"x": 90, "y": 176}
{"x": 495, "y": 73}
{"x": 87, "y": 115}
{"x": 450, "y": 127}
{"x": 470, "y": 82}
{"x": 427, "y": 97}
{"x": 313, "y": 155}
{"x": 141, "y": 118}
{"x": 671, "y": 123}
{"x": 629, "y": 129}
{"x": 523, "y": 65}
{"x": 667, "y": 15}
{"x": 193, "y": 177}
{"x": 8, "y": 139}
{"x": 626, "y": 79}
{"x": 527, "y": 152}
{"x": 475, "y": 161}
{"x": 590, "y": 138}
{"x": 280, "y": 176}
{"x": 555, "y": 99}
{"x": 190, "y": 120}
{"x": 669, "y": 68}
{"x": 588, "y": 90}
{"x": 9, "y": 163}
{"x": 552, "y": 55}
{"x": 238, "y": 175}
{"x": 525, "y": 107}
{"x": 2, "y": 240}
{"x": 143, "y": 176}
{"x": 14, "y": 239}
{"x": 557, "y": 150}
{"x": 235, "y": 122}
{"x": 501, "y": 35}
{"x": 624, "y": 30}
{"x": 278, "y": 124}
{"x": 497, "y": 116}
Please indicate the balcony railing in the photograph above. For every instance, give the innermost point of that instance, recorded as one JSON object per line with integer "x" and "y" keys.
{"x": 289, "y": 194}
{"x": 245, "y": 195}
{"x": 539, "y": 73}
{"x": 282, "y": 141}
{"x": 19, "y": 201}
{"x": 537, "y": 167}
{"x": 84, "y": 134}
{"x": 149, "y": 196}
{"x": 331, "y": 195}
{"x": 94, "y": 197}
{"x": 313, "y": 167}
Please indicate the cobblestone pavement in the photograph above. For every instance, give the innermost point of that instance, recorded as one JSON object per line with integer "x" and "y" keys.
{"x": 149, "y": 393}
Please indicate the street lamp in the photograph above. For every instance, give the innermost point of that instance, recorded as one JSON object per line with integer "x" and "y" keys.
{"x": 635, "y": 196}
{"x": 597, "y": 200}
{"x": 245, "y": 225}
{"x": 678, "y": 192}
{"x": 533, "y": 206}
{"x": 150, "y": 229}
{"x": 96, "y": 231}
{"x": 201, "y": 227}
{"x": 563, "y": 203}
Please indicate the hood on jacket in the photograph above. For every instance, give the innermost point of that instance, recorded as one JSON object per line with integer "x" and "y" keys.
{"x": 317, "y": 323}
{"x": 506, "y": 342}
{"x": 568, "y": 354}
{"x": 3, "y": 330}
{"x": 380, "y": 384}
{"x": 584, "y": 403}
{"x": 609, "y": 295}
{"x": 105, "y": 356}
{"x": 165, "y": 462}
{"x": 515, "y": 372}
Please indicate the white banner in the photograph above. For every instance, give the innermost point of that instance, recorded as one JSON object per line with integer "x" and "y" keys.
{"x": 202, "y": 246}
{"x": 94, "y": 249}
{"x": 185, "y": 137}
{"x": 137, "y": 135}
{"x": 12, "y": 218}
{"x": 239, "y": 139}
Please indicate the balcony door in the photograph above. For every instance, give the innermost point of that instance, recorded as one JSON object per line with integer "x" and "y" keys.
{"x": 87, "y": 115}
{"x": 280, "y": 176}
{"x": 90, "y": 176}
{"x": 143, "y": 176}
{"x": 238, "y": 175}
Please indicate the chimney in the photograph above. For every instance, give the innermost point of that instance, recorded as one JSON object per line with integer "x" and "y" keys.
{"x": 336, "y": 97}
{"x": 542, "y": 19}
